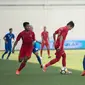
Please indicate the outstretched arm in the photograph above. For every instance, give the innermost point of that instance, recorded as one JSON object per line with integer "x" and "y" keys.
{"x": 5, "y": 39}
{"x": 18, "y": 38}
{"x": 61, "y": 42}
{"x": 15, "y": 44}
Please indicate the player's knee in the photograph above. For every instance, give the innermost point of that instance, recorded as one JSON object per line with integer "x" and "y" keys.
{"x": 36, "y": 53}
{"x": 20, "y": 60}
{"x": 57, "y": 59}
{"x": 47, "y": 48}
{"x": 64, "y": 55}
{"x": 10, "y": 52}
{"x": 6, "y": 52}
{"x": 26, "y": 59}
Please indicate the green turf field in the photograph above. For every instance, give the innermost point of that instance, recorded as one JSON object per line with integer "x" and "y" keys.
{"x": 33, "y": 75}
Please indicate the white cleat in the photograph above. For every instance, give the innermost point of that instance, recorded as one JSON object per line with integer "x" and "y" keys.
{"x": 44, "y": 69}
{"x": 69, "y": 72}
{"x": 41, "y": 58}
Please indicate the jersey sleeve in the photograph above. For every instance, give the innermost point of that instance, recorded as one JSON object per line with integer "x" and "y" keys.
{"x": 58, "y": 31}
{"x": 34, "y": 36}
{"x": 19, "y": 37}
{"x": 6, "y": 35}
{"x": 13, "y": 36}
{"x": 63, "y": 33}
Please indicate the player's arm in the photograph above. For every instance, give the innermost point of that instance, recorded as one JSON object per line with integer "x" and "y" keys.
{"x": 54, "y": 36}
{"x": 60, "y": 32}
{"x": 16, "y": 42}
{"x": 5, "y": 38}
{"x": 48, "y": 37}
{"x": 13, "y": 37}
{"x": 57, "y": 33}
{"x": 61, "y": 42}
{"x": 42, "y": 36}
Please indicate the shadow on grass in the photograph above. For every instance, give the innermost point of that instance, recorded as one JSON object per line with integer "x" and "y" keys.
{"x": 32, "y": 74}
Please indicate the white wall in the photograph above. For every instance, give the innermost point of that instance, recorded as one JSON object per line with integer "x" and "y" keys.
{"x": 53, "y": 17}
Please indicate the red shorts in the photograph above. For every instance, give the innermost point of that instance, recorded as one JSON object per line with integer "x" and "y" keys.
{"x": 59, "y": 53}
{"x": 45, "y": 44}
{"x": 25, "y": 51}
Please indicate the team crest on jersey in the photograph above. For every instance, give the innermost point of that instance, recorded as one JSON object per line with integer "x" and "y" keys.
{"x": 9, "y": 36}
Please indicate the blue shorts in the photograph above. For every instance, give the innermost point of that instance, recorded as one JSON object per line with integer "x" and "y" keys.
{"x": 8, "y": 48}
{"x": 35, "y": 50}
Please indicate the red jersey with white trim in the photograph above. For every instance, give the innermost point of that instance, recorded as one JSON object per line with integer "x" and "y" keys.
{"x": 45, "y": 36}
{"x": 63, "y": 31}
{"x": 27, "y": 37}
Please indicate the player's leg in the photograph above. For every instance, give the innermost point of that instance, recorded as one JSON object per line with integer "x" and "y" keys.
{"x": 25, "y": 54}
{"x": 48, "y": 50}
{"x": 83, "y": 73}
{"x": 53, "y": 61}
{"x": 38, "y": 58}
{"x": 9, "y": 54}
{"x": 10, "y": 50}
{"x": 41, "y": 50}
{"x": 6, "y": 51}
{"x": 64, "y": 63}
{"x": 64, "y": 59}
{"x": 22, "y": 65}
{"x": 21, "y": 59}
{"x": 4, "y": 54}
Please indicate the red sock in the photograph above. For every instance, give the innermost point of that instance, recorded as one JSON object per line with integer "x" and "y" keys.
{"x": 52, "y": 62}
{"x": 22, "y": 66}
{"x": 41, "y": 52}
{"x": 48, "y": 52}
{"x": 64, "y": 60}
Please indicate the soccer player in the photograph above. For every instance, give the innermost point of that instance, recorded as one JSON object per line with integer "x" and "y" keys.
{"x": 83, "y": 73}
{"x": 45, "y": 42}
{"x": 59, "y": 45}
{"x": 35, "y": 50}
{"x": 8, "y": 43}
{"x": 28, "y": 38}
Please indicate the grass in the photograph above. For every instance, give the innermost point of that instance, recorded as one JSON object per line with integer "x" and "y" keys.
{"x": 33, "y": 75}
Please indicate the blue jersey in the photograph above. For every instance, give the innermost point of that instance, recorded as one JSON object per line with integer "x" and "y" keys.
{"x": 35, "y": 47}
{"x": 9, "y": 38}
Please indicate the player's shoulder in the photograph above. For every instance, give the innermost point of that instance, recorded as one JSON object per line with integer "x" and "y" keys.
{"x": 32, "y": 32}
{"x": 42, "y": 32}
{"x": 22, "y": 32}
{"x": 47, "y": 31}
{"x": 13, "y": 34}
{"x": 6, "y": 34}
{"x": 64, "y": 28}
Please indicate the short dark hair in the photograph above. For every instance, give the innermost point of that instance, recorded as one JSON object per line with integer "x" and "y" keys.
{"x": 71, "y": 23}
{"x": 10, "y": 29}
{"x": 25, "y": 23}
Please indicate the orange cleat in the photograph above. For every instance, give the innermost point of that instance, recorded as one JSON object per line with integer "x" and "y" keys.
{"x": 17, "y": 72}
{"x": 44, "y": 69}
{"x": 83, "y": 73}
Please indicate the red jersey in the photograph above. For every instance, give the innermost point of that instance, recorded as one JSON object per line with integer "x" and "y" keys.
{"x": 27, "y": 37}
{"x": 45, "y": 36}
{"x": 63, "y": 31}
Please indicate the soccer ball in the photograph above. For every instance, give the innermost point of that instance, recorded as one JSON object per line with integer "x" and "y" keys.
{"x": 63, "y": 70}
